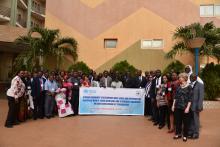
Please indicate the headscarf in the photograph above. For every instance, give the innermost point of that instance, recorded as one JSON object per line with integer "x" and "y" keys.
{"x": 189, "y": 74}
{"x": 190, "y": 67}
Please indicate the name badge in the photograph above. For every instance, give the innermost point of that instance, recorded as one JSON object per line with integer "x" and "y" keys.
{"x": 169, "y": 89}
{"x": 75, "y": 84}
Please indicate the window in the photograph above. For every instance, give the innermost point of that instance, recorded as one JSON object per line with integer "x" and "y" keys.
{"x": 152, "y": 44}
{"x": 158, "y": 43}
{"x": 146, "y": 44}
{"x": 217, "y": 10}
{"x": 210, "y": 10}
{"x": 110, "y": 43}
{"x": 207, "y": 10}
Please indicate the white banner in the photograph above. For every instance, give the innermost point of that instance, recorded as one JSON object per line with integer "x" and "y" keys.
{"x": 111, "y": 101}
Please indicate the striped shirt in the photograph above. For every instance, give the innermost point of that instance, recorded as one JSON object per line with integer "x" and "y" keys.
{"x": 161, "y": 99}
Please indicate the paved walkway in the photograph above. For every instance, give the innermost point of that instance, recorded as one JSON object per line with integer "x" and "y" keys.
{"x": 103, "y": 131}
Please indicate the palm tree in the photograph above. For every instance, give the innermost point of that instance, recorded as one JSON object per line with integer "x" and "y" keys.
{"x": 48, "y": 43}
{"x": 184, "y": 34}
{"x": 216, "y": 53}
{"x": 63, "y": 47}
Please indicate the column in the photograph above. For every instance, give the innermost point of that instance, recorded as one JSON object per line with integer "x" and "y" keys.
{"x": 29, "y": 14}
{"x": 13, "y": 17}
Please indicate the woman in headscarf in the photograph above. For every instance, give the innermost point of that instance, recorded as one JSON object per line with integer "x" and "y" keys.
{"x": 189, "y": 71}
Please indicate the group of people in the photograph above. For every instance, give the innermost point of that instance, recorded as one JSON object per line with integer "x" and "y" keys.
{"x": 176, "y": 100}
{"x": 173, "y": 99}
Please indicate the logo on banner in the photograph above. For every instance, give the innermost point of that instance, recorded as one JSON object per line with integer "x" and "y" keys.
{"x": 138, "y": 93}
{"x": 88, "y": 91}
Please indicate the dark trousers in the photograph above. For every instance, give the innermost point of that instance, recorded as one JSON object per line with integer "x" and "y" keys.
{"x": 38, "y": 107}
{"x": 181, "y": 122}
{"x": 155, "y": 110}
{"x": 148, "y": 109}
{"x": 12, "y": 111}
{"x": 162, "y": 115}
{"x": 75, "y": 102}
{"x": 194, "y": 124}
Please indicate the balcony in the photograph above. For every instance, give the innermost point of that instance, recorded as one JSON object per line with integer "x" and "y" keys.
{"x": 39, "y": 10}
{"x": 5, "y": 17}
{"x": 4, "y": 13}
{"x": 22, "y": 4}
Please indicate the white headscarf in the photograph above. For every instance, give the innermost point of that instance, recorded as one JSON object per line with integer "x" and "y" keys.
{"x": 189, "y": 74}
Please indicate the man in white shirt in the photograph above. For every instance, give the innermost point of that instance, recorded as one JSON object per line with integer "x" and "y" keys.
{"x": 50, "y": 87}
{"x": 106, "y": 80}
{"x": 116, "y": 83}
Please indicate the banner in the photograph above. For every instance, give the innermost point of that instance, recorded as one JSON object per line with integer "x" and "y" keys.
{"x": 111, "y": 101}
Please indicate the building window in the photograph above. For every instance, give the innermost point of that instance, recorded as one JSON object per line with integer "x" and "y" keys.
{"x": 210, "y": 10}
{"x": 146, "y": 44}
{"x": 110, "y": 43}
{"x": 207, "y": 10}
{"x": 152, "y": 44}
{"x": 157, "y": 43}
{"x": 217, "y": 10}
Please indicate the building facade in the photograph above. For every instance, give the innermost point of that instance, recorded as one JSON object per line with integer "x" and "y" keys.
{"x": 17, "y": 10}
{"x": 139, "y": 31}
{"x": 16, "y": 17}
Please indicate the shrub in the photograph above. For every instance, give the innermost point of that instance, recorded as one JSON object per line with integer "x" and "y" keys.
{"x": 123, "y": 67}
{"x": 80, "y": 66}
{"x": 177, "y": 66}
{"x": 211, "y": 77}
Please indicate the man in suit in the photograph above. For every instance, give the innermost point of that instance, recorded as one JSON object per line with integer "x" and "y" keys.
{"x": 141, "y": 79}
{"x": 150, "y": 94}
{"x": 196, "y": 106}
{"x": 75, "y": 80}
{"x": 126, "y": 79}
{"x": 37, "y": 88}
{"x": 106, "y": 80}
{"x": 155, "y": 109}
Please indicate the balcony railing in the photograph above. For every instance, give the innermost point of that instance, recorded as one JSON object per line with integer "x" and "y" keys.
{"x": 5, "y": 11}
{"x": 40, "y": 10}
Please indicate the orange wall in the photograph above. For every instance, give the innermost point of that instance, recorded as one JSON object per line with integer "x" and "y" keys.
{"x": 141, "y": 21}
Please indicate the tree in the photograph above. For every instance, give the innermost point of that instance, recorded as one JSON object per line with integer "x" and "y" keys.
{"x": 211, "y": 77}
{"x": 216, "y": 53}
{"x": 184, "y": 34}
{"x": 123, "y": 67}
{"x": 47, "y": 43}
{"x": 176, "y": 65}
{"x": 80, "y": 66}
